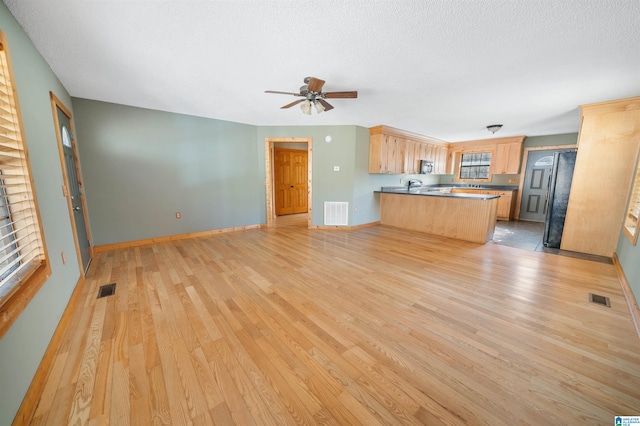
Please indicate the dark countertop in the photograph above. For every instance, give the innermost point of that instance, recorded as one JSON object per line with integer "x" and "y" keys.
{"x": 432, "y": 191}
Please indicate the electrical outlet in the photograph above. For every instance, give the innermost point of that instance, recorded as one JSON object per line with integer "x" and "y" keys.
{"x": 336, "y": 168}
{"x": 178, "y": 215}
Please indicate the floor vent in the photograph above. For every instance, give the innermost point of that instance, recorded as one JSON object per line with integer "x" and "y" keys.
{"x": 107, "y": 290}
{"x": 336, "y": 213}
{"x": 600, "y": 300}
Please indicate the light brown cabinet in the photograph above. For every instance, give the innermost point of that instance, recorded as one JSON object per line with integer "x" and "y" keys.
{"x": 608, "y": 146}
{"x": 394, "y": 151}
{"x": 440, "y": 162}
{"x": 508, "y": 158}
{"x": 506, "y": 204}
{"x": 506, "y": 153}
{"x": 411, "y": 156}
{"x": 386, "y": 154}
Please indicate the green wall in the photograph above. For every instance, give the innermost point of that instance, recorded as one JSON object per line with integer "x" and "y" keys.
{"x": 629, "y": 257}
{"x": 563, "y": 139}
{"x": 142, "y": 166}
{"x": 22, "y": 347}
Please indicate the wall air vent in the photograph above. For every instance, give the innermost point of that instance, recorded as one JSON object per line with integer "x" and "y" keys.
{"x": 336, "y": 213}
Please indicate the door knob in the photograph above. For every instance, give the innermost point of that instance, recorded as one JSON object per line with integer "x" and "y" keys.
{"x": 77, "y": 208}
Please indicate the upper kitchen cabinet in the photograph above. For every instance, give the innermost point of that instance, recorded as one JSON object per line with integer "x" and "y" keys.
{"x": 608, "y": 145}
{"x": 506, "y": 153}
{"x": 508, "y": 156}
{"x": 395, "y": 151}
{"x": 386, "y": 154}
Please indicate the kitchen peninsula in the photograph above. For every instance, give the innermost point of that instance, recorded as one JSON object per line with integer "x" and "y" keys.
{"x": 469, "y": 217}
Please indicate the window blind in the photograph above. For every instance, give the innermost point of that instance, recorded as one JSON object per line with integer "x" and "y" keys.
{"x": 21, "y": 248}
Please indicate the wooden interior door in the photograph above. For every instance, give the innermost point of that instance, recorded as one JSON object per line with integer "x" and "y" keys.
{"x": 290, "y": 180}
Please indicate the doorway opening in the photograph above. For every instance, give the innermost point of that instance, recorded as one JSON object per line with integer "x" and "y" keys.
{"x": 285, "y": 189}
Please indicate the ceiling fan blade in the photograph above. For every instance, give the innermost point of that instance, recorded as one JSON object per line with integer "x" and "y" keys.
{"x": 327, "y": 106}
{"x": 341, "y": 95}
{"x": 282, "y": 93}
{"x": 315, "y": 84}
{"x": 293, "y": 103}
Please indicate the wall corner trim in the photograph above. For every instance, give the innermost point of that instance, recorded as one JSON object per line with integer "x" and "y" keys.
{"x": 31, "y": 399}
{"x": 628, "y": 294}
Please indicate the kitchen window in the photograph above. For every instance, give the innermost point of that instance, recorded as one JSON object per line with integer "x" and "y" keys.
{"x": 631, "y": 225}
{"x": 23, "y": 263}
{"x": 475, "y": 166}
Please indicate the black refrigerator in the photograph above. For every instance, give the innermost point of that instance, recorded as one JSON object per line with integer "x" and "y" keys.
{"x": 558, "y": 198}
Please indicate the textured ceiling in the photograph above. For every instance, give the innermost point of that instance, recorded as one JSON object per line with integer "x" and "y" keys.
{"x": 443, "y": 68}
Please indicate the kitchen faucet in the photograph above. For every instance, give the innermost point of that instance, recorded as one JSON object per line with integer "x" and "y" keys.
{"x": 413, "y": 182}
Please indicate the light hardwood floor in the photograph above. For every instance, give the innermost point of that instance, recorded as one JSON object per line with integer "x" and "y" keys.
{"x": 372, "y": 326}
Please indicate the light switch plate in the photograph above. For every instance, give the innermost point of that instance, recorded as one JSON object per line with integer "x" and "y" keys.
{"x": 336, "y": 168}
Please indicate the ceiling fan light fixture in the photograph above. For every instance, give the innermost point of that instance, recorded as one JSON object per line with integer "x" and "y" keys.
{"x": 494, "y": 127}
{"x": 306, "y": 107}
{"x": 312, "y": 95}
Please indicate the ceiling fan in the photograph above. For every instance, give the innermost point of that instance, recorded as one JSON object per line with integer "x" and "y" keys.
{"x": 312, "y": 94}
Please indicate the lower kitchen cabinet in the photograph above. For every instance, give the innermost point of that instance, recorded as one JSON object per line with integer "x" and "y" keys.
{"x": 506, "y": 204}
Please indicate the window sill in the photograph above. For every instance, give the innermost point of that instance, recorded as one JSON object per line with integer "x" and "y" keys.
{"x": 631, "y": 233}
{"x": 18, "y": 297}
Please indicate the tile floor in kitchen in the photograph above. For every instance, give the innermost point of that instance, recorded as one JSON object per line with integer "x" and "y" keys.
{"x": 528, "y": 236}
